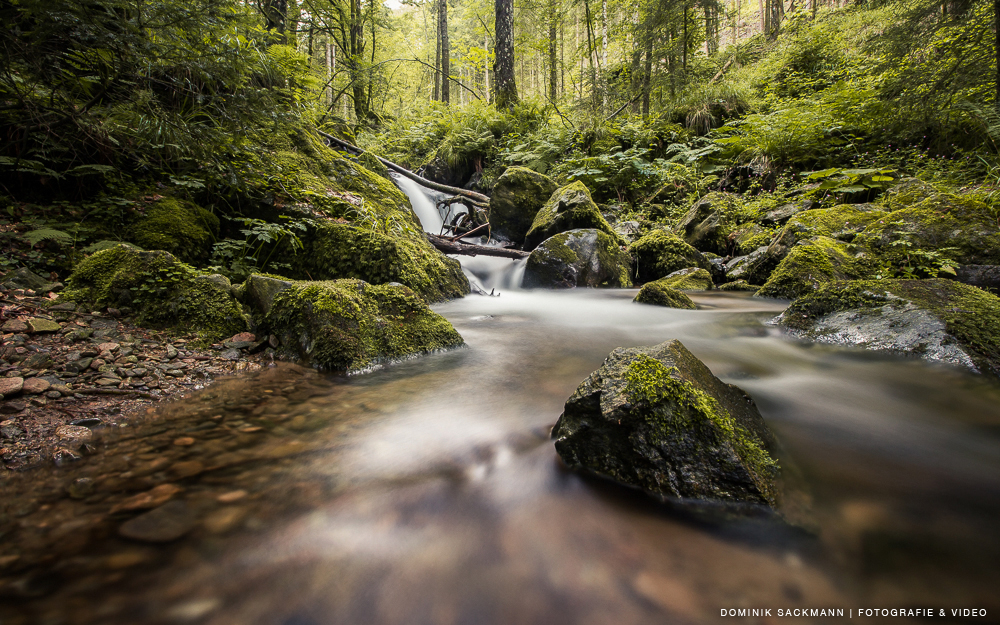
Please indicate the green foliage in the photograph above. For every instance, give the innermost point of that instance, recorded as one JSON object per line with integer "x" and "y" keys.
{"x": 237, "y": 259}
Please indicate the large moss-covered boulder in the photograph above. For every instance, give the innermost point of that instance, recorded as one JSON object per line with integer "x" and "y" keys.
{"x": 334, "y": 250}
{"x": 705, "y": 226}
{"x": 568, "y": 208}
{"x": 161, "y": 290}
{"x": 661, "y": 252}
{"x": 350, "y": 325}
{"x": 177, "y": 226}
{"x": 517, "y": 197}
{"x": 815, "y": 262}
{"x": 578, "y": 258}
{"x": 658, "y": 293}
{"x": 959, "y": 227}
{"x": 657, "y": 419}
{"x": 937, "y": 320}
{"x": 842, "y": 222}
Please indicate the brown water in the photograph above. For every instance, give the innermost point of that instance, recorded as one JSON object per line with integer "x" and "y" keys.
{"x": 428, "y": 492}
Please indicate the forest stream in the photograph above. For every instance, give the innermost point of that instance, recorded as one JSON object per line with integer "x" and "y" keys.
{"x": 429, "y": 492}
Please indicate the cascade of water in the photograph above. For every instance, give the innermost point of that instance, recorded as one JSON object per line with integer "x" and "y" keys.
{"x": 485, "y": 272}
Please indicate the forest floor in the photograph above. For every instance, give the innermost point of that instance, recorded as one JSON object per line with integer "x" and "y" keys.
{"x": 65, "y": 372}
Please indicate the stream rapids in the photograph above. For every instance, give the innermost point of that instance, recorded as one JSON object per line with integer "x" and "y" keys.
{"x": 428, "y": 492}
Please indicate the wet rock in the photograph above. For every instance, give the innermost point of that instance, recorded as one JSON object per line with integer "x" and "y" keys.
{"x": 15, "y": 325}
{"x": 659, "y": 294}
{"x": 569, "y": 208}
{"x": 983, "y": 276}
{"x": 813, "y": 263}
{"x": 702, "y": 227}
{"x": 350, "y": 324}
{"x": 167, "y": 523}
{"x": 24, "y": 278}
{"x": 74, "y": 434}
{"x": 97, "y": 363}
{"x": 258, "y": 292}
{"x": 9, "y": 430}
{"x": 739, "y": 285}
{"x": 690, "y": 279}
{"x": 38, "y": 325}
{"x": 656, "y": 418}
{"x": 230, "y": 354}
{"x": 628, "y": 230}
{"x": 79, "y": 365}
{"x": 35, "y": 386}
{"x": 171, "y": 352}
{"x": 578, "y": 258}
{"x": 12, "y": 407}
{"x": 11, "y": 386}
{"x": 660, "y": 252}
{"x": 38, "y": 361}
{"x": 53, "y": 394}
{"x": 937, "y": 320}
{"x": 787, "y": 211}
{"x": 87, "y": 422}
{"x": 81, "y": 488}
{"x": 517, "y": 197}
{"x": 756, "y": 266}
{"x": 64, "y": 307}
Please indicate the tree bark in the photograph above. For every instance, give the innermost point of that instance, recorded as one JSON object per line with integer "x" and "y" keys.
{"x": 505, "y": 84}
{"x": 445, "y": 52}
{"x": 356, "y": 42}
{"x": 274, "y": 16}
{"x": 467, "y": 249}
{"x": 553, "y": 66}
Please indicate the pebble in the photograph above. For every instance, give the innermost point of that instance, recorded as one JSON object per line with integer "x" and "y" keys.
{"x": 35, "y": 386}
{"x": 153, "y": 498}
{"x": 81, "y": 488}
{"x": 53, "y": 394}
{"x": 232, "y": 496}
{"x": 164, "y": 524}
{"x": 74, "y": 433}
{"x": 187, "y": 468}
{"x": 12, "y": 407}
{"x": 11, "y": 386}
{"x": 184, "y": 441}
{"x": 15, "y": 325}
{"x": 9, "y": 430}
{"x": 38, "y": 325}
{"x": 171, "y": 352}
{"x": 230, "y": 354}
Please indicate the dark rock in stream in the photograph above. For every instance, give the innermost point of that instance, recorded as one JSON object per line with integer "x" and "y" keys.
{"x": 578, "y": 258}
{"x": 936, "y": 320}
{"x": 518, "y": 195}
{"x": 657, "y": 419}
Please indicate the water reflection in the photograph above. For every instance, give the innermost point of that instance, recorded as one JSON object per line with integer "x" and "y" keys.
{"x": 428, "y": 492}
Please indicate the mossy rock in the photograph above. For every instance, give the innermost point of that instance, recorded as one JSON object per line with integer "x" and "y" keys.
{"x": 660, "y": 252}
{"x": 657, "y": 419}
{"x": 659, "y": 294}
{"x": 177, "y": 226}
{"x": 578, "y": 258}
{"x": 334, "y": 250}
{"x": 340, "y": 128}
{"x": 960, "y": 227}
{"x": 517, "y": 197}
{"x": 163, "y": 292}
{"x": 350, "y": 325}
{"x": 690, "y": 279}
{"x": 812, "y": 263}
{"x": 739, "y": 285}
{"x": 706, "y": 226}
{"x": 842, "y": 222}
{"x": 568, "y": 208}
{"x": 937, "y": 320}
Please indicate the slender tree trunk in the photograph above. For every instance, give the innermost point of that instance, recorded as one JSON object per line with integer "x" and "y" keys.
{"x": 437, "y": 52}
{"x": 445, "y": 52}
{"x": 331, "y": 59}
{"x": 684, "y": 42}
{"x": 356, "y": 37}
{"x": 637, "y": 48}
{"x": 647, "y": 71}
{"x": 553, "y": 66}
{"x": 486, "y": 70}
{"x": 275, "y": 12}
{"x": 503, "y": 72}
{"x": 996, "y": 51}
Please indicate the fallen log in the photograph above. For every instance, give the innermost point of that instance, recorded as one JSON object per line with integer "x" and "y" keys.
{"x": 468, "y": 249}
{"x": 475, "y": 198}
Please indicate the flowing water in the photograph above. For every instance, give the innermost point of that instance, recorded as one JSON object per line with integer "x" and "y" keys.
{"x": 429, "y": 492}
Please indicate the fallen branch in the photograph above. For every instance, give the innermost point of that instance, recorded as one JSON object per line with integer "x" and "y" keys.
{"x": 468, "y": 233}
{"x": 111, "y": 391}
{"x": 723, "y": 70}
{"x": 477, "y": 198}
{"x": 467, "y": 249}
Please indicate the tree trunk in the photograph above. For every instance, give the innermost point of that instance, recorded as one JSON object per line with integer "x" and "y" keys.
{"x": 553, "y": 65}
{"x": 356, "y": 40}
{"x": 445, "y": 52}
{"x": 437, "y": 53}
{"x": 996, "y": 51}
{"x": 503, "y": 66}
{"x": 274, "y": 16}
{"x": 647, "y": 71}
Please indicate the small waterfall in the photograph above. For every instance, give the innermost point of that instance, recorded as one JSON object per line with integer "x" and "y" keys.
{"x": 485, "y": 273}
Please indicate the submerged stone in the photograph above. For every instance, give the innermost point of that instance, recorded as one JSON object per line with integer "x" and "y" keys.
{"x": 578, "y": 258}
{"x": 690, "y": 279}
{"x": 569, "y": 208}
{"x": 517, "y": 197}
{"x": 350, "y": 325}
{"x": 657, "y": 419}
{"x": 937, "y": 320}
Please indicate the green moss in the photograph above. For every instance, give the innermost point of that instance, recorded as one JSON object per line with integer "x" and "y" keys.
{"x": 659, "y": 253}
{"x": 659, "y": 294}
{"x": 569, "y": 208}
{"x": 842, "y": 222}
{"x": 810, "y": 264}
{"x": 690, "y": 279}
{"x": 970, "y": 314}
{"x": 184, "y": 229}
{"x": 162, "y": 291}
{"x": 749, "y": 238}
{"x": 350, "y": 325}
{"x": 672, "y": 407}
{"x": 738, "y": 285}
